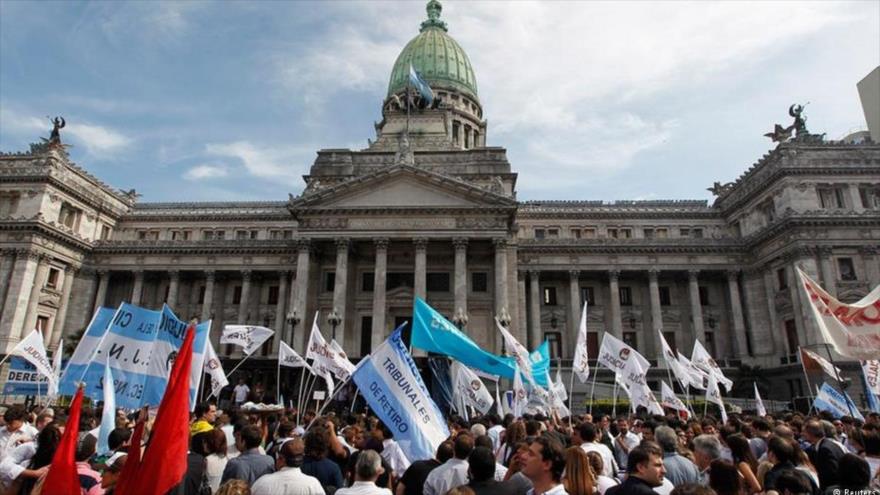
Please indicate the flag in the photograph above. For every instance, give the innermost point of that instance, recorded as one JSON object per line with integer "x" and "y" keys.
{"x": 672, "y": 362}
{"x": 85, "y": 350}
{"x": 871, "y": 370}
{"x": 670, "y": 400}
{"x": 619, "y": 357}
{"x": 421, "y": 86}
{"x": 31, "y": 348}
{"x": 62, "y": 478}
{"x": 468, "y": 389}
{"x": 56, "y": 369}
{"x": 434, "y": 333}
{"x": 108, "y": 416}
{"x": 871, "y": 398}
{"x": 327, "y": 358}
{"x": 248, "y": 337}
{"x": 520, "y": 397}
{"x": 581, "y": 365}
{"x": 837, "y": 403}
{"x": 813, "y": 361}
{"x": 759, "y": 404}
{"x": 133, "y": 461}
{"x": 852, "y": 329}
{"x": 290, "y": 358}
{"x": 164, "y": 462}
{"x": 702, "y": 359}
{"x": 559, "y": 386}
{"x": 699, "y": 379}
{"x": 636, "y": 386}
{"x": 167, "y": 345}
{"x": 395, "y": 391}
{"x": 214, "y": 368}
{"x": 520, "y": 353}
{"x": 713, "y": 394}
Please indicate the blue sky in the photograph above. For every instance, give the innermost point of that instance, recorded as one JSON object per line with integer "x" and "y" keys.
{"x": 191, "y": 101}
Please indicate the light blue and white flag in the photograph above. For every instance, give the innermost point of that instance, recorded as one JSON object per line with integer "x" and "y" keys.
{"x": 85, "y": 350}
{"x": 421, "y": 86}
{"x": 829, "y": 399}
{"x": 108, "y": 416}
{"x": 390, "y": 382}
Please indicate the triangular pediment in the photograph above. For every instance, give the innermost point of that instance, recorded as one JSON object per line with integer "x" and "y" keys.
{"x": 402, "y": 187}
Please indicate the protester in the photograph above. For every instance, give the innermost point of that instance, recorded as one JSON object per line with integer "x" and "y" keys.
{"x": 679, "y": 469}
{"x": 250, "y": 464}
{"x": 289, "y": 479}
{"x": 413, "y": 479}
{"x": 89, "y": 479}
{"x": 316, "y": 463}
{"x": 367, "y": 471}
{"x": 543, "y": 466}
{"x": 707, "y": 448}
{"x": 578, "y": 476}
{"x": 481, "y": 471}
{"x": 624, "y": 442}
{"x": 240, "y": 393}
{"x": 588, "y": 436}
{"x": 16, "y": 432}
{"x": 110, "y": 476}
{"x": 824, "y": 453}
{"x": 453, "y": 472}
{"x": 206, "y": 415}
{"x": 217, "y": 459}
{"x": 724, "y": 478}
{"x": 645, "y": 472}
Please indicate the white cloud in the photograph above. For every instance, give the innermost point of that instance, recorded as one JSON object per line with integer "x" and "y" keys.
{"x": 99, "y": 141}
{"x": 19, "y": 124}
{"x": 206, "y": 171}
{"x": 285, "y": 163}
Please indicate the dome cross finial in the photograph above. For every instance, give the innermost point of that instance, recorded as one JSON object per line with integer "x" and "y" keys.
{"x": 434, "y": 8}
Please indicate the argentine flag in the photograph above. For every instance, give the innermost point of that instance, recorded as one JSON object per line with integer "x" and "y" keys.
{"x": 424, "y": 89}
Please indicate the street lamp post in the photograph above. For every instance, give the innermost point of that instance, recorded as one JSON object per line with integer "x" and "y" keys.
{"x": 505, "y": 319}
{"x": 334, "y": 320}
{"x": 293, "y": 319}
{"x": 460, "y": 319}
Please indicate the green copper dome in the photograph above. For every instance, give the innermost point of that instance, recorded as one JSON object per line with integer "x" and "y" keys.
{"x": 437, "y": 57}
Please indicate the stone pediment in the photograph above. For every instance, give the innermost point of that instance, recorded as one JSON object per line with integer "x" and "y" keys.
{"x": 400, "y": 187}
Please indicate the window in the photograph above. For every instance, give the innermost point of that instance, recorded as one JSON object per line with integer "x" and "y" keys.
{"x": 670, "y": 339}
{"x": 589, "y": 233}
{"x": 588, "y": 296}
{"x": 540, "y": 233}
{"x": 553, "y": 233}
{"x": 208, "y": 235}
{"x": 479, "y": 282}
{"x": 870, "y": 196}
{"x": 549, "y": 296}
{"x": 437, "y": 282}
{"x": 704, "y": 295}
{"x": 684, "y": 232}
{"x": 8, "y": 203}
{"x": 781, "y": 278}
{"x": 241, "y": 235}
{"x": 366, "y": 334}
{"x": 274, "y": 235}
{"x": 52, "y": 278}
{"x": 791, "y": 336}
{"x": 180, "y": 235}
{"x": 697, "y": 233}
{"x": 612, "y": 233}
{"x": 236, "y": 295}
{"x": 43, "y": 324}
{"x": 220, "y": 235}
{"x": 592, "y": 343}
{"x": 576, "y": 233}
{"x": 629, "y": 338}
{"x": 329, "y": 281}
{"x": 69, "y": 216}
{"x": 554, "y": 340}
{"x": 846, "y": 269}
{"x": 768, "y": 210}
{"x": 455, "y": 130}
{"x": 368, "y": 280}
{"x": 105, "y": 233}
{"x": 626, "y": 296}
{"x": 661, "y": 233}
{"x": 710, "y": 344}
{"x": 273, "y": 294}
{"x": 648, "y": 233}
{"x": 142, "y": 235}
{"x": 832, "y": 196}
{"x": 398, "y": 279}
{"x": 626, "y": 233}
{"x": 665, "y": 297}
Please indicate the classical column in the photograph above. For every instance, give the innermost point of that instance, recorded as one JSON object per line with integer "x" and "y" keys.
{"x": 774, "y": 329}
{"x": 246, "y": 276}
{"x": 173, "y": 288}
{"x": 534, "y": 309}
{"x": 614, "y": 288}
{"x": 379, "y": 278}
{"x": 20, "y": 285}
{"x": 30, "y": 321}
{"x": 301, "y": 290}
{"x": 521, "y": 307}
{"x": 461, "y": 283}
{"x": 101, "y": 294}
{"x": 872, "y": 266}
{"x": 421, "y": 268}
{"x": 696, "y": 306}
{"x": 7, "y": 260}
{"x": 280, "y": 306}
{"x": 340, "y": 289}
{"x": 656, "y": 313}
{"x": 61, "y": 315}
{"x": 500, "y": 275}
{"x": 741, "y": 349}
{"x": 855, "y": 197}
{"x": 574, "y": 298}
{"x": 829, "y": 279}
{"x": 208, "y": 300}
{"x": 137, "y": 289}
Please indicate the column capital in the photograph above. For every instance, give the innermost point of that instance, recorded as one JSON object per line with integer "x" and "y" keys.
{"x": 246, "y": 275}
{"x": 421, "y": 243}
{"x": 138, "y": 272}
{"x": 499, "y": 242}
{"x": 174, "y": 274}
{"x": 613, "y": 275}
{"x": 653, "y": 274}
{"x": 303, "y": 244}
{"x": 693, "y": 274}
{"x": 868, "y": 250}
{"x": 102, "y": 272}
{"x": 211, "y": 275}
{"x": 460, "y": 243}
{"x": 732, "y": 274}
{"x": 381, "y": 242}
{"x": 824, "y": 250}
{"x": 71, "y": 269}
{"x": 342, "y": 244}
{"x": 574, "y": 274}
{"x": 534, "y": 274}
{"x": 7, "y": 253}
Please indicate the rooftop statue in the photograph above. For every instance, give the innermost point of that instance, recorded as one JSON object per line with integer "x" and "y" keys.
{"x": 58, "y": 123}
{"x": 797, "y": 130}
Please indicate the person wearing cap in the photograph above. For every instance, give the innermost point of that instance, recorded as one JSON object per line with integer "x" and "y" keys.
{"x": 289, "y": 478}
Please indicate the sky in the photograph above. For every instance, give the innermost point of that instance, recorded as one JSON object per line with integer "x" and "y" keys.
{"x": 229, "y": 101}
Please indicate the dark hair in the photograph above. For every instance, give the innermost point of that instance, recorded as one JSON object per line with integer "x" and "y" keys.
{"x": 217, "y": 441}
{"x": 291, "y": 453}
{"x": 86, "y": 447}
{"x": 463, "y": 445}
{"x": 445, "y": 451}
{"x": 692, "y": 489}
{"x": 871, "y": 442}
{"x": 317, "y": 442}
{"x": 724, "y": 478}
{"x": 14, "y": 413}
{"x": 587, "y": 431}
{"x": 782, "y": 448}
{"x": 483, "y": 441}
{"x": 201, "y": 409}
{"x": 200, "y": 443}
{"x": 47, "y": 442}
{"x": 285, "y": 428}
{"x": 481, "y": 462}
{"x": 251, "y": 436}
{"x": 118, "y": 437}
{"x": 741, "y": 451}
{"x": 551, "y": 450}
{"x": 854, "y": 472}
{"x": 760, "y": 425}
{"x": 533, "y": 427}
{"x": 794, "y": 481}
{"x": 641, "y": 454}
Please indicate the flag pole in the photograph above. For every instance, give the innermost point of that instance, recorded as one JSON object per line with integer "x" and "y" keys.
{"x": 614, "y": 401}
{"x": 278, "y": 382}
{"x": 570, "y": 394}
{"x": 329, "y": 400}
{"x": 246, "y": 356}
{"x": 593, "y": 387}
{"x": 807, "y": 377}
{"x": 849, "y": 404}
{"x": 299, "y": 395}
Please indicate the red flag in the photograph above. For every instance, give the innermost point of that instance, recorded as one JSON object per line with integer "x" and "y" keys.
{"x": 164, "y": 463}
{"x": 133, "y": 461}
{"x": 62, "y": 478}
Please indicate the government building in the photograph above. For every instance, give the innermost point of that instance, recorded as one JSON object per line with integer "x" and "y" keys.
{"x": 429, "y": 209}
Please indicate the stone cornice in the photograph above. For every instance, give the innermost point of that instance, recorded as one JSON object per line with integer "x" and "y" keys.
{"x": 814, "y": 219}
{"x": 224, "y": 247}
{"x": 208, "y": 211}
{"x": 631, "y": 246}
{"x": 50, "y": 230}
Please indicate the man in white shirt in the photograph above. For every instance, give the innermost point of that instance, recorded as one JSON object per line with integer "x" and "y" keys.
{"x": 392, "y": 453}
{"x": 543, "y": 465}
{"x": 16, "y": 432}
{"x": 367, "y": 470}
{"x": 454, "y": 472}
{"x": 588, "y": 433}
{"x": 240, "y": 392}
{"x": 289, "y": 479}
{"x": 495, "y": 431}
{"x": 623, "y": 443}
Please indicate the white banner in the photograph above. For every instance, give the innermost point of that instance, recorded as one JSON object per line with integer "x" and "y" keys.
{"x": 677, "y": 369}
{"x": 248, "y": 337}
{"x": 670, "y": 400}
{"x": 520, "y": 397}
{"x": 702, "y": 359}
{"x": 327, "y": 359}
{"x": 853, "y": 329}
{"x": 827, "y": 367}
{"x": 559, "y": 387}
{"x": 468, "y": 389}
{"x": 699, "y": 379}
{"x": 288, "y": 357}
{"x": 620, "y": 358}
{"x": 581, "y": 357}
{"x": 520, "y": 353}
{"x": 214, "y": 369}
{"x": 56, "y": 369}
{"x": 713, "y": 394}
{"x": 31, "y": 348}
{"x": 871, "y": 368}
{"x": 837, "y": 403}
{"x": 759, "y": 404}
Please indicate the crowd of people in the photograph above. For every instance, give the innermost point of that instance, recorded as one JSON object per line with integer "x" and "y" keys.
{"x": 287, "y": 453}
